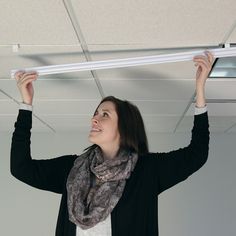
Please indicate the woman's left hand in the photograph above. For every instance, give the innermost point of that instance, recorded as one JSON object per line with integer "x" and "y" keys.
{"x": 204, "y": 64}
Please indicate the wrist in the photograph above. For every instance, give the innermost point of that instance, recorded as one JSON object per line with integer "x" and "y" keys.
{"x": 27, "y": 102}
{"x": 200, "y": 106}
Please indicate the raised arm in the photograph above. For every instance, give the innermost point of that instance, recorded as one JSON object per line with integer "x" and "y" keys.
{"x": 47, "y": 174}
{"x": 176, "y": 166}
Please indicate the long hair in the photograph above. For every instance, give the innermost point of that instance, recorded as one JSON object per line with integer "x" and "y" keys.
{"x": 131, "y": 128}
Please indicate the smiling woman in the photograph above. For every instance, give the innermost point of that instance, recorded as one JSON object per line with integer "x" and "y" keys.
{"x": 104, "y": 131}
{"x": 112, "y": 188}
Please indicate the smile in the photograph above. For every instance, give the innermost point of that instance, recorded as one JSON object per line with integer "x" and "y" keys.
{"x": 95, "y": 130}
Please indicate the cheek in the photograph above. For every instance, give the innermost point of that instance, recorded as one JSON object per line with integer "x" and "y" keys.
{"x": 117, "y": 133}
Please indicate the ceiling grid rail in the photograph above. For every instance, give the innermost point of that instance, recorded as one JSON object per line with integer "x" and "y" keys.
{"x": 185, "y": 111}
{"x": 36, "y": 116}
{"x": 74, "y": 21}
{"x": 229, "y": 33}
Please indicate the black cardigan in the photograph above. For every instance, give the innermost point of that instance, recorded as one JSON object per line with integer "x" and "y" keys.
{"x": 136, "y": 211}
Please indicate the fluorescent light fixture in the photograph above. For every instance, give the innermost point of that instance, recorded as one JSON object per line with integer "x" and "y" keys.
{"x": 224, "y": 67}
{"x": 119, "y": 63}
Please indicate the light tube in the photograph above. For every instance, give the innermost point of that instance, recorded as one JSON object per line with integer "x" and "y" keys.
{"x": 127, "y": 62}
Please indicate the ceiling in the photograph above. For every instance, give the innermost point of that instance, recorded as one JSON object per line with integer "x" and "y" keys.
{"x": 38, "y": 33}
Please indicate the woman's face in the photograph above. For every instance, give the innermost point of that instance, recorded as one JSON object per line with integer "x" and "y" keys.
{"x": 104, "y": 126}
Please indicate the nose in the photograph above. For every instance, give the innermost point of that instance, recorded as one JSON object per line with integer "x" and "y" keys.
{"x": 94, "y": 120}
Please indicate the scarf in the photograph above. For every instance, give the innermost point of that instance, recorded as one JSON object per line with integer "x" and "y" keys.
{"x": 95, "y": 185}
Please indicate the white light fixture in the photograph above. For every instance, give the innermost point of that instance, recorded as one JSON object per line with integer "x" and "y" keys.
{"x": 119, "y": 63}
{"x": 224, "y": 67}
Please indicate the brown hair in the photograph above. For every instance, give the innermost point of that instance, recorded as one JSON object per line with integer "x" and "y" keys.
{"x": 133, "y": 136}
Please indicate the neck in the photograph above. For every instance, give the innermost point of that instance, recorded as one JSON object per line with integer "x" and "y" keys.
{"x": 109, "y": 153}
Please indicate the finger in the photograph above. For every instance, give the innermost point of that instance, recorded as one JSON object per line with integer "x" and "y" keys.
{"x": 203, "y": 63}
{"x": 207, "y": 55}
{"x": 208, "y": 59}
{"x": 210, "y": 56}
{"x": 26, "y": 79}
{"x": 26, "y": 74}
{"x": 19, "y": 74}
{"x": 200, "y": 57}
{"x": 23, "y": 73}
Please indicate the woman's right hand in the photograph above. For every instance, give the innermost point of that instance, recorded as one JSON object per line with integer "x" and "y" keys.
{"x": 25, "y": 85}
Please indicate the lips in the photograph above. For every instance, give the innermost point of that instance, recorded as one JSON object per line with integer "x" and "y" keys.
{"x": 95, "y": 129}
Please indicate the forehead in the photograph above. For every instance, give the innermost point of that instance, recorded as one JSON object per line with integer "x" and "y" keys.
{"x": 107, "y": 106}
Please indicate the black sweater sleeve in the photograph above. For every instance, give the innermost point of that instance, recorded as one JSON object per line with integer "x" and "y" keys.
{"x": 48, "y": 174}
{"x": 176, "y": 166}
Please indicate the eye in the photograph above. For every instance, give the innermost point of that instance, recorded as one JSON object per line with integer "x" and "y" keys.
{"x": 105, "y": 114}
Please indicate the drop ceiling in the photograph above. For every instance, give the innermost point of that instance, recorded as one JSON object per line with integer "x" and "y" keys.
{"x": 37, "y": 33}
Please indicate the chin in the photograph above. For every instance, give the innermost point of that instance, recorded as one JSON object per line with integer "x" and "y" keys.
{"x": 92, "y": 140}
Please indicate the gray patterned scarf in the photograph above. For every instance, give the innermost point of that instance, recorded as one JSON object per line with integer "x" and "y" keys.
{"x": 95, "y": 185}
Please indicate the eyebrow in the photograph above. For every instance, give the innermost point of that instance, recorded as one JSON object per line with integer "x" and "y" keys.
{"x": 106, "y": 110}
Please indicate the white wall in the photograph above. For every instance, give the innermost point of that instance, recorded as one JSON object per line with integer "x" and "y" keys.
{"x": 202, "y": 205}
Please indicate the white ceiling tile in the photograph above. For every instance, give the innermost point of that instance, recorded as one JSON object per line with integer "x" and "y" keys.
{"x": 232, "y": 37}
{"x": 3, "y": 97}
{"x": 147, "y": 89}
{"x": 7, "y": 124}
{"x": 233, "y": 129}
{"x": 221, "y": 117}
{"x": 9, "y": 87}
{"x": 165, "y": 23}
{"x": 68, "y": 123}
{"x": 221, "y": 89}
{"x": 61, "y": 107}
{"x": 160, "y": 124}
{"x": 221, "y": 124}
{"x": 180, "y": 70}
{"x": 162, "y": 108}
{"x": 35, "y": 22}
{"x": 64, "y": 88}
{"x": 216, "y": 124}
{"x": 8, "y": 107}
{"x": 185, "y": 125}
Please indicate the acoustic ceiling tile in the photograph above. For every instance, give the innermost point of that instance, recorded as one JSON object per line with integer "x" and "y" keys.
{"x": 233, "y": 129}
{"x": 155, "y": 22}
{"x": 221, "y": 124}
{"x": 56, "y": 89}
{"x": 69, "y": 123}
{"x": 62, "y": 107}
{"x": 160, "y": 124}
{"x": 221, "y": 89}
{"x": 232, "y": 36}
{"x": 8, "y": 107}
{"x": 35, "y": 22}
{"x": 165, "y": 108}
{"x": 216, "y": 123}
{"x": 7, "y": 124}
{"x": 147, "y": 89}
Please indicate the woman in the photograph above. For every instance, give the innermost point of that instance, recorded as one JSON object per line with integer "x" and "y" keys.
{"x": 112, "y": 188}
